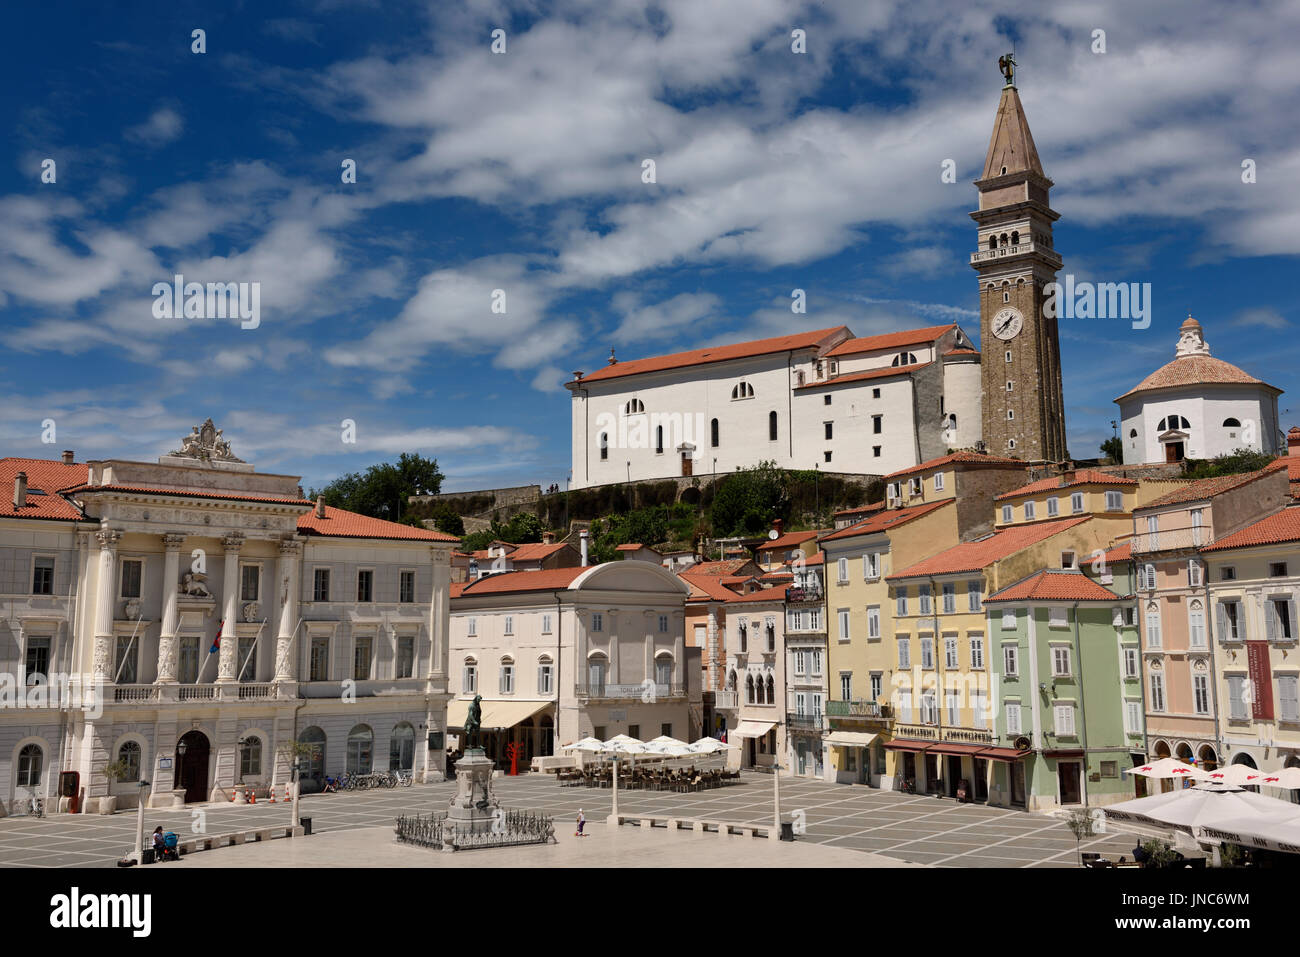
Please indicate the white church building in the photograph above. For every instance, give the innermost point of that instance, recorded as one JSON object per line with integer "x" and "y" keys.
{"x": 1197, "y": 407}
{"x": 823, "y": 399}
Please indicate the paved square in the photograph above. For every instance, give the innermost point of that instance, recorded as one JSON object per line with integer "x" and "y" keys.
{"x": 902, "y": 827}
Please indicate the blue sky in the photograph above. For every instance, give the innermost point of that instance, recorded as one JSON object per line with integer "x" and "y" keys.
{"x": 522, "y": 172}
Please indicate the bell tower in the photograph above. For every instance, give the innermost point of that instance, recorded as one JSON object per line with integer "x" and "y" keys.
{"x": 1023, "y": 409}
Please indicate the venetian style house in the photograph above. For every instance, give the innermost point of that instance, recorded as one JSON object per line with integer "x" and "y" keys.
{"x": 755, "y": 654}
{"x": 1178, "y": 659}
{"x": 1253, "y": 579}
{"x": 211, "y": 618}
{"x": 568, "y": 653}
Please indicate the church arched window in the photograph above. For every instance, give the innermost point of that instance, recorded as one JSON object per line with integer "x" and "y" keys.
{"x": 1002, "y": 240}
{"x": 1015, "y": 237}
{"x": 742, "y": 390}
{"x": 659, "y": 440}
{"x": 771, "y": 426}
{"x": 1172, "y": 422}
{"x": 1232, "y": 423}
{"x": 993, "y": 243}
{"x": 604, "y": 446}
{"x": 1011, "y": 443}
{"x": 904, "y": 359}
{"x": 713, "y": 432}
{"x": 633, "y": 407}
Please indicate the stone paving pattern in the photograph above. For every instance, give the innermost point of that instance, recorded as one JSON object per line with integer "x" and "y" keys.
{"x": 910, "y": 828}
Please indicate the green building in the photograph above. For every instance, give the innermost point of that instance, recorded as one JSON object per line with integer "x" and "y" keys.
{"x": 1067, "y": 689}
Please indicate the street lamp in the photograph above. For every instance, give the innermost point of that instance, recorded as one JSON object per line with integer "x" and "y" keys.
{"x": 139, "y": 824}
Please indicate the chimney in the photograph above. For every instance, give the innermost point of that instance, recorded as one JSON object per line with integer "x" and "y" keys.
{"x": 20, "y": 490}
{"x": 548, "y": 538}
{"x": 69, "y": 456}
{"x": 582, "y": 541}
{"x": 320, "y": 506}
{"x": 1293, "y": 440}
{"x": 778, "y": 526}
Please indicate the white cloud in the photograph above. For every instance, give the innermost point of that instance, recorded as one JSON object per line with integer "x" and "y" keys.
{"x": 163, "y": 126}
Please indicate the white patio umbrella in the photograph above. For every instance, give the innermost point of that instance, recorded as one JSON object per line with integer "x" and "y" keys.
{"x": 1240, "y": 775}
{"x": 586, "y": 744}
{"x": 663, "y": 741}
{"x": 1205, "y": 805}
{"x": 710, "y": 745}
{"x": 1288, "y": 779}
{"x": 1166, "y": 768}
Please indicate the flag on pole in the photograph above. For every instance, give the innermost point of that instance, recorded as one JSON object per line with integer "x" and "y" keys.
{"x": 216, "y": 642}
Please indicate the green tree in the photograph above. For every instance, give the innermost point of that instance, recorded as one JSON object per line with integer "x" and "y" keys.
{"x": 381, "y": 490}
{"x": 1113, "y": 449}
{"x": 747, "y": 500}
{"x": 446, "y": 520}
{"x": 1233, "y": 463}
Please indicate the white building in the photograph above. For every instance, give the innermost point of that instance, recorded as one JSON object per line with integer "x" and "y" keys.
{"x": 562, "y": 654}
{"x": 1197, "y": 407}
{"x": 826, "y": 399}
{"x": 120, "y": 576}
{"x": 755, "y": 653}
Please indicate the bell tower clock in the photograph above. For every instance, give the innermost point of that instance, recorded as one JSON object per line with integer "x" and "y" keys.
{"x": 1023, "y": 408}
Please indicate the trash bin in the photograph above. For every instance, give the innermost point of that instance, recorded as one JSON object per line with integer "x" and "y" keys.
{"x": 306, "y": 825}
{"x": 787, "y": 830}
{"x": 146, "y": 856}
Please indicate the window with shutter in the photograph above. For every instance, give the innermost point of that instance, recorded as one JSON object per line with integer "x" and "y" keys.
{"x": 1288, "y": 690}
{"x": 1013, "y": 718}
{"x": 1236, "y": 697}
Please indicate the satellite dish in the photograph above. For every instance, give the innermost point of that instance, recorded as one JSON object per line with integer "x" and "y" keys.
{"x": 772, "y": 535}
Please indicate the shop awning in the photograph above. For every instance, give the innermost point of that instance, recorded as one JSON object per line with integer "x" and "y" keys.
{"x": 957, "y": 749}
{"x": 849, "y": 739}
{"x": 497, "y": 715}
{"x": 908, "y": 745}
{"x": 1003, "y": 754}
{"x": 751, "y": 729}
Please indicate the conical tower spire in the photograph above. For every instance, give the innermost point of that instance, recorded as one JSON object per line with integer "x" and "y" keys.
{"x": 1011, "y": 150}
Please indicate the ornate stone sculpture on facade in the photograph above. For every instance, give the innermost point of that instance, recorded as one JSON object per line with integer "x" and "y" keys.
{"x": 205, "y": 442}
{"x": 192, "y": 584}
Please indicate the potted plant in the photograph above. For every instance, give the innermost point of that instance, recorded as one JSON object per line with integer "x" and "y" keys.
{"x": 115, "y": 771}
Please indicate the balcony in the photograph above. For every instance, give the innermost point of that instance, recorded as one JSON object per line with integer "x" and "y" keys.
{"x": 726, "y": 700}
{"x": 1171, "y": 540}
{"x": 859, "y": 708}
{"x": 804, "y": 722}
{"x": 1020, "y": 249}
{"x": 131, "y": 693}
{"x": 646, "y": 692}
{"x": 804, "y": 593}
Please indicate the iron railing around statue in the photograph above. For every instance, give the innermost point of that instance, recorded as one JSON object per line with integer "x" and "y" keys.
{"x": 505, "y": 829}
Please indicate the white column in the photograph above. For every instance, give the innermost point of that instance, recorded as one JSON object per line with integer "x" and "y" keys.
{"x": 717, "y": 680}
{"x": 611, "y": 615}
{"x": 167, "y": 636}
{"x": 230, "y": 606}
{"x": 287, "y": 573}
{"x": 440, "y": 613}
{"x": 108, "y": 539}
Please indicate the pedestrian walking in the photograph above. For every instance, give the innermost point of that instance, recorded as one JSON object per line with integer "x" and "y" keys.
{"x": 581, "y": 821}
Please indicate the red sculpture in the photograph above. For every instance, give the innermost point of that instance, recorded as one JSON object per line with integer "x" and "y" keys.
{"x": 513, "y": 750}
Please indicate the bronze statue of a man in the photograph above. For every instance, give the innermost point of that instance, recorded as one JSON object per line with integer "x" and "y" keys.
{"x": 473, "y": 722}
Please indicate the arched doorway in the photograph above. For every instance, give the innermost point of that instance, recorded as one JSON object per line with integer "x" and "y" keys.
{"x": 192, "y": 752}
{"x": 1208, "y": 760}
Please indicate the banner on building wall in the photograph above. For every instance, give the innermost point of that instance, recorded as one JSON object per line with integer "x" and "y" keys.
{"x": 1261, "y": 680}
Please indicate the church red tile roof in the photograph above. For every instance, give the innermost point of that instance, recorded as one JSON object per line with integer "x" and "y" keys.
{"x": 338, "y": 523}
{"x": 788, "y": 540}
{"x": 976, "y": 555}
{"x": 1194, "y": 370}
{"x": 1283, "y": 526}
{"x": 961, "y": 458}
{"x": 190, "y": 493}
{"x": 890, "y": 340}
{"x": 739, "y": 350}
{"x": 1054, "y": 584}
{"x": 1081, "y": 477}
{"x": 535, "y": 551}
{"x": 46, "y": 476}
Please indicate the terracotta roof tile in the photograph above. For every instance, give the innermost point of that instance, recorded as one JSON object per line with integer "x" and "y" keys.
{"x": 765, "y": 594}
{"x": 535, "y": 551}
{"x": 44, "y": 476}
{"x": 890, "y": 340}
{"x": 739, "y": 350}
{"x": 974, "y": 556}
{"x": 1120, "y": 553}
{"x": 961, "y": 352}
{"x": 716, "y": 569}
{"x": 84, "y": 489}
{"x": 1054, "y": 584}
{"x": 788, "y": 540}
{"x": 861, "y": 509}
{"x": 550, "y": 579}
{"x": 883, "y": 521}
{"x": 1081, "y": 477}
{"x": 960, "y": 458}
{"x": 1208, "y": 488}
{"x": 338, "y": 523}
{"x": 1193, "y": 370}
{"x": 1283, "y": 526}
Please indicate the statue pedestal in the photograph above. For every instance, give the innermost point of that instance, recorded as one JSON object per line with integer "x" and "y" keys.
{"x": 474, "y": 809}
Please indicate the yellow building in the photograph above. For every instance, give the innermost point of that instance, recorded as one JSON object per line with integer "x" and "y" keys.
{"x": 1077, "y": 492}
